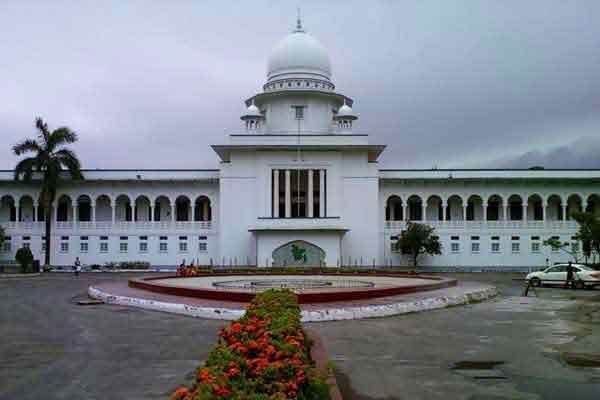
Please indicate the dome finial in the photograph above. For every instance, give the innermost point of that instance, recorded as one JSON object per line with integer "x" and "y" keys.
{"x": 299, "y": 22}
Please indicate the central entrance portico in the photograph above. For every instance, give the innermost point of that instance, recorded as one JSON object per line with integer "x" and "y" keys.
{"x": 298, "y": 246}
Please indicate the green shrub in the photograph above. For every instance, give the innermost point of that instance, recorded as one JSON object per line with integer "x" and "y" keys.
{"x": 265, "y": 355}
{"x": 25, "y": 259}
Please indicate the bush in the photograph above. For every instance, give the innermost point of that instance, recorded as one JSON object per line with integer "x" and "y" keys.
{"x": 263, "y": 355}
{"x": 127, "y": 265}
{"x": 25, "y": 258}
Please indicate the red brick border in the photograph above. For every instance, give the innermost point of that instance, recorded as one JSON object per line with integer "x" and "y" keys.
{"x": 147, "y": 283}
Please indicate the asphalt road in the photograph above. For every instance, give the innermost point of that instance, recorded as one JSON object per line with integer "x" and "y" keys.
{"x": 530, "y": 348}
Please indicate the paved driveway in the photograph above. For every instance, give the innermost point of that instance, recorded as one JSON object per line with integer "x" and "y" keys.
{"x": 51, "y": 348}
{"x": 530, "y": 348}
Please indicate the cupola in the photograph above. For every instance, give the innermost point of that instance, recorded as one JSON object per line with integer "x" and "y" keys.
{"x": 253, "y": 118}
{"x": 345, "y": 117}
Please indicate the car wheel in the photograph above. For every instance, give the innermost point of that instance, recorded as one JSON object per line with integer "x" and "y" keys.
{"x": 535, "y": 282}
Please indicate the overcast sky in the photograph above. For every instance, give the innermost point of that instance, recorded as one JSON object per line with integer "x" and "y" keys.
{"x": 452, "y": 84}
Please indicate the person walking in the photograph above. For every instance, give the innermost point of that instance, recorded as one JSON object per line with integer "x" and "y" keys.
{"x": 77, "y": 266}
{"x": 570, "y": 272}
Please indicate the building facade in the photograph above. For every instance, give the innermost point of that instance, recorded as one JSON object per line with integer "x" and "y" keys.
{"x": 312, "y": 195}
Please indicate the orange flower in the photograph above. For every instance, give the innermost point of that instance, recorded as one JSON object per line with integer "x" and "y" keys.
{"x": 205, "y": 376}
{"x": 221, "y": 391}
{"x": 180, "y": 393}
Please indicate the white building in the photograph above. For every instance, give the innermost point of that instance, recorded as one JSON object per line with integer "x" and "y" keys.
{"x": 300, "y": 186}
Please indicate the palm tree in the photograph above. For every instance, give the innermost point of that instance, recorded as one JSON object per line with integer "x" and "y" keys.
{"x": 50, "y": 164}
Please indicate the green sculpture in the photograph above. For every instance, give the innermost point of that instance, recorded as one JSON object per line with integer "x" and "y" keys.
{"x": 299, "y": 253}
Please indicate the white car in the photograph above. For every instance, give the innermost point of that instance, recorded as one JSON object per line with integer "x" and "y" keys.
{"x": 584, "y": 276}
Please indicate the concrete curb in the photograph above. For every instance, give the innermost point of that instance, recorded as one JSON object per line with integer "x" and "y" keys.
{"x": 474, "y": 295}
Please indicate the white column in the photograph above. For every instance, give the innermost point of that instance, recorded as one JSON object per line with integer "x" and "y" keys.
{"x": 505, "y": 212}
{"x": 310, "y": 199}
{"x": 173, "y": 208}
{"x": 444, "y": 212}
{"x": 405, "y": 212}
{"x": 524, "y": 212}
{"x": 465, "y": 212}
{"x": 114, "y": 212}
{"x": 93, "y": 213}
{"x": 193, "y": 207}
{"x": 484, "y": 211}
{"x": 544, "y": 206}
{"x": 151, "y": 216}
{"x": 322, "y": 193}
{"x": 564, "y": 212}
{"x": 75, "y": 208}
{"x": 288, "y": 194}
{"x": 424, "y": 211}
{"x": 275, "y": 193}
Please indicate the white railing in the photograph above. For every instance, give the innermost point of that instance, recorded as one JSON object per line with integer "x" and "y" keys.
{"x": 483, "y": 225}
{"x": 116, "y": 226}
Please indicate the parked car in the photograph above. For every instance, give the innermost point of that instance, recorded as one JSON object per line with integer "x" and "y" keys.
{"x": 557, "y": 275}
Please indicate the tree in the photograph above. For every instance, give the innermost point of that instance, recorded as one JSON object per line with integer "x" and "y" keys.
{"x": 50, "y": 165}
{"x": 419, "y": 239}
{"x": 588, "y": 234}
{"x": 565, "y": 247}
{"x": 25, "y": 258}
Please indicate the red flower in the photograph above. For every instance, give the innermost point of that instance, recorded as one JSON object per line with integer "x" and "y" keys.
{"x": 180, "y": 393}
{"x": 205, "y": 376}
{"x": 221, "y": 391}
{"x": 236, "y": 327}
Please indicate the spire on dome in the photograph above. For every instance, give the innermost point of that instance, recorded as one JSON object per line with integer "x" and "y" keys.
{"x": 299, "y": 23}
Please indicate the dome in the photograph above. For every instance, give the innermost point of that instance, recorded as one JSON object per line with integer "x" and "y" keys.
{"x": 345, "y": 112}
{"x": 252, "y": 112}
{"x": 299, "y": 55}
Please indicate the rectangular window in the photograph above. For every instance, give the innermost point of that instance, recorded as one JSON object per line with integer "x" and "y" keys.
{"x": 64, "y": 238}
{"x": 183, "y": 247}
{"x": 83, "y": 247}
{"x": 495, "y": 247}
{"x": 43, "y": 245}
{"x": 202, "y": 246}
{"x": 535, "y": 238}
{"x": 299, "y": 112}
{"x": 123, "y": 247}
{"x": 103, "y": 237}
{"x": 575, "y": 247}
{"x": 163, "y": 238}
{"x": 123, "y": 238}
{"x": 6, "y": 247}
{"x": 143, "y": 247}
{"x": 455, "y": 247}
{"x": 495, "y": 237}
{"x": 163, "y": 247}
{"x": 143, "y": 237}
{"x": 83, "y": 238}
{"x": 27, "y": 245}
{"x": 475, "y": 247}
{"x": 103, "y": 247}
{"x": 454, "y": 238}
{"x": 64, "y": 247}
{"x": 182, "y": 237}
{"x": 515, "y": 238}
{"x": 516, "y": 247}
{"x": 26, "y": 238}
{"x": 474, "y": 237}
{"x": 535, "y": 247}
{"x": 202, "y": 238}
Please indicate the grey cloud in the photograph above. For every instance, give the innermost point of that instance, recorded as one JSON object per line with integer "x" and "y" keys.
{"x": 452, "y": 84}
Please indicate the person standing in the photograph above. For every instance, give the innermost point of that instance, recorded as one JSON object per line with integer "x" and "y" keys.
{"x": 77, "y": 266}
{"x": 570, "y": 281}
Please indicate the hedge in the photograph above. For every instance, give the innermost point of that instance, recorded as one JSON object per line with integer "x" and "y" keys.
{"x": 263, "y": 355}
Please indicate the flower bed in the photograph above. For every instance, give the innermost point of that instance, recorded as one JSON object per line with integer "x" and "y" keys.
{"x": 263, "y": 355}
